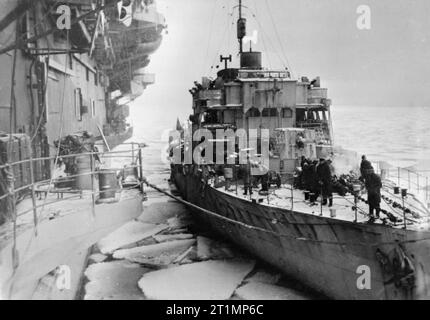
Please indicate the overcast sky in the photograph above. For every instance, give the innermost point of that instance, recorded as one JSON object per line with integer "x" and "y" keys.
{"x": 387, "y": 65}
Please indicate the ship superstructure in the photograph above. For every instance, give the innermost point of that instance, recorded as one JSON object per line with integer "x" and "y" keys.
{"x": 251, "y": 97}
{"x": 58, "y": 81}
{"x": 326, "y": 248}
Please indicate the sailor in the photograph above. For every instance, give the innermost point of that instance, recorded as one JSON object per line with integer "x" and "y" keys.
{"x": 325, "y": 181}
{"x": 313, "y": 180}
{"x": 373, "y": 185}
{"x": 247, "y": 177}
{"x": 365, "y": 167}
{"x": 306, "y": 176}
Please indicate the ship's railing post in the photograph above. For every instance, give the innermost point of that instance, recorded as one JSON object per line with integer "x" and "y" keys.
{"x": 398, "y": 176}
{"x": 33, "y": 192}
{"x": 409, "y": 179}
{"x": 93, "y": 192}
{"x": 11, "y": 178}
{"x": 140, "y": 163}
{"x": 292, "y": 197}
{"x": 427, "y": 188}
{"x": 418, "y": 182}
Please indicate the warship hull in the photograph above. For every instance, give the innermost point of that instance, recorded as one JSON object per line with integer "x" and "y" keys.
{"x": 328, "y": 255}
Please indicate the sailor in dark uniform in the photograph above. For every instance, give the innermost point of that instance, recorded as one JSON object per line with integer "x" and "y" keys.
{"x": 247, "y": 177}
{"x": 365, "y": 167}
{"x": 325, "y": 181}
{"x": 314, "y": 188}
{"x": 373, "y": 186}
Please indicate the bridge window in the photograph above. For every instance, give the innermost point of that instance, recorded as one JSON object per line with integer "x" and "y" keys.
{"x": 253, "y": 112}
{"x": 270, "y": 112}
{"x": 287, "y": 113}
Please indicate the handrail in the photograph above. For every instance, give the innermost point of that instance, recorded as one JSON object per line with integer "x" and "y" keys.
{"x": 92, "y": 153}
{"x": 135, "y": 163}
{"x": 414, "y": 180}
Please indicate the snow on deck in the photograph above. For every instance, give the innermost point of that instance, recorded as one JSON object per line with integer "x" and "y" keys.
{"x": 286, "y": 198}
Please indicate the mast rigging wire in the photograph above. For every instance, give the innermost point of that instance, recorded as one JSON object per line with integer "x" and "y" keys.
{"x": 279, "y": 37}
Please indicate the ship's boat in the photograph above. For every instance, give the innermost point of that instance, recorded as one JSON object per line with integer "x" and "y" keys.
{"x": 339, "y": 250}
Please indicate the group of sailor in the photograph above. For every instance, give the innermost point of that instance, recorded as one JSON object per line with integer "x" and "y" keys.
{"x": 317, "y": 178}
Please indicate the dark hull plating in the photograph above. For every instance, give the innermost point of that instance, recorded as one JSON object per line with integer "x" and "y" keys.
{"x": 326, "y": 254}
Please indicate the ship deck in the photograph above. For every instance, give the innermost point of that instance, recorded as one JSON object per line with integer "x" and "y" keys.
{"x": 289, "y": 198}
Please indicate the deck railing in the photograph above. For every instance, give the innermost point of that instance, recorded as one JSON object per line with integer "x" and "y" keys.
{"x": 132, "y": 156}
{"x": 406, "y": 178}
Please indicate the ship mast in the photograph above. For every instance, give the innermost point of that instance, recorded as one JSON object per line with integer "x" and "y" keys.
{"x": 241, "y": 28}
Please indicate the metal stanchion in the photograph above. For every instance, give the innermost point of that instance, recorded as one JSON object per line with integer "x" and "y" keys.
{"x": 93, "y": 193}
{"x": 427, "y": 188}
{"x": 409, "y": 180}
{"x": 292, "y": 198}
{"x": 235, "y": 176}
{"x": 33, "y": 192}
{"x": 15, "y": 254}
{"x": 404, "y": 194}
{"x": 356, "y": 190}
{"x": 140, "y": 163}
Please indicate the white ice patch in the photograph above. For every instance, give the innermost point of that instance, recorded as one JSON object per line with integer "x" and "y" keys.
{"x": 210, "y": 280}
{"x": 114, "y": 281}
{"x": 162, "y": 211}
{"x": 161, "y": 254}
{"x": 264, "y": 291}
{"x": 171, "y": 237}
{"x": 129, "y": 233}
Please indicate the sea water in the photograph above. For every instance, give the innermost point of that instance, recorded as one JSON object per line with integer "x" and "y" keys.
{"x": 397, "y": 135}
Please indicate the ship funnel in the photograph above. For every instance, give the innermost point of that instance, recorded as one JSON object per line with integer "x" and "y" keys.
{"x": 250, "y": 60}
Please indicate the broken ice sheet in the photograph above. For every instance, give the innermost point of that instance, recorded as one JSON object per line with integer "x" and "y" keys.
{"x": 160, "y": 254}
{"x": 129, "y": 233}
{"x": 265, "y": 291}
{"x": 209, "y": 280}
{"x": 160, "y": 212}
{"x": 180, "y": 222}
{"x": 170, "y": 237}
{"x": 114, "y": 281}
{"x": 96, "y": 258}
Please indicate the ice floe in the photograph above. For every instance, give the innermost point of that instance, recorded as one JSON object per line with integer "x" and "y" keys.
{"x": 96, "y": 258}
{"x": 170, "y": 237}
{"x": 160, "y": 212}
{"x": 115, "y": 280}
{"x": 161, "y": 254}
{"x": 209, "y": 280}
{"x": 129, "y": 233}
{"x": 265, "y": 291}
